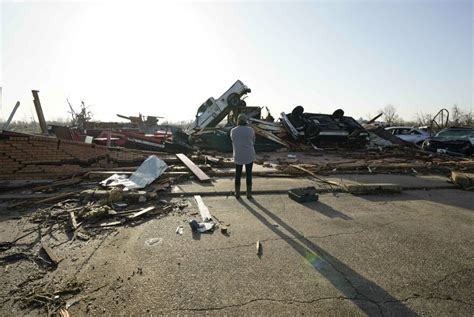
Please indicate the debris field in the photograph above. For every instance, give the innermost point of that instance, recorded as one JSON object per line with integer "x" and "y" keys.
{"x": 67, "y": 190}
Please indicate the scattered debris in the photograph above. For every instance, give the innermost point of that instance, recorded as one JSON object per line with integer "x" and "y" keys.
{"x": 153, "y": 241}
{"x": 367, "y": 189}
{"x": 48, "y": 256}
{"x": 201, "y": 227}
{"x": 55, "y": 180}
{"x": 53, "y": 299}
{"x": 463, "y": 180}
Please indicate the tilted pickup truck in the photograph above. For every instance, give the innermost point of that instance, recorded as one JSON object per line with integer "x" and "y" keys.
{"x": 213, "y": 111}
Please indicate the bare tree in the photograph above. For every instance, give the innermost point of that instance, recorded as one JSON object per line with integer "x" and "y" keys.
{"x": 456, "y": 116}
{"x": 468, "y": 119}
{"x": 390, "y": 115}
{"x": 461, "y": 118}
{"x": 424, "y": 119}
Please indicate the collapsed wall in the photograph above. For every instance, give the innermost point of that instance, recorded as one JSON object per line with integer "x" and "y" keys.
{"x": 24, "y": 157}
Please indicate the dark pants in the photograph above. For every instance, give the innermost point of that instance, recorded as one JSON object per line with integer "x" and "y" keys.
{"x": 248, "y": 172}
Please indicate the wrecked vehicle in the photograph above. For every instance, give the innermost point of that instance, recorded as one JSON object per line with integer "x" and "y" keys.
{"x": 219, "y": 139}
{"x": 409, "y": 134}
{"x": 213, "y": 111}
{"x": 324, "y": 129}
{"x": 454, "y": 141}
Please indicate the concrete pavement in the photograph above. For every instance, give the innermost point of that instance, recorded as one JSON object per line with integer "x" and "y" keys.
{"x": 345, "y": 255}
{"x": 225, "y": 185}
{"x": 392, "y": 255}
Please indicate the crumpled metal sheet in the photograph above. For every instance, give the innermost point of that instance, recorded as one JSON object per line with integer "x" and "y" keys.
{"x": 151, "y": 169}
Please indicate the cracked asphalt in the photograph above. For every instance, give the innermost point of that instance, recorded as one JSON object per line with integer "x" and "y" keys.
{"x": 386, "y": 255}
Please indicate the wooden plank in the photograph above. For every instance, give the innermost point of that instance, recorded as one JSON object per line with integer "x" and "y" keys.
{"x": 56, "y": 198}
{"x": 269, "y": 136}
{"x": 141, "y": 212}
{"x": 51, "y": 256}
{"x": 62, "y": 183}
{"x": 203, "y": 210}
{"x": 111, "y": 224}
{"x": 51, "y": 198}
{"x": 367, "y": 189}
{"x": 195, "y": 169}
{"x": 73, "y": 220}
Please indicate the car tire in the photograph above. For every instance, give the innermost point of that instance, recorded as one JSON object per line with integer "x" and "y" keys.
{"x": 424, "y": 145}
{"x": 233, "y": 100}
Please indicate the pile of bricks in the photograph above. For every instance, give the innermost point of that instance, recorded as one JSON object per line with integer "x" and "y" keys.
{"x": 24, "y": 157}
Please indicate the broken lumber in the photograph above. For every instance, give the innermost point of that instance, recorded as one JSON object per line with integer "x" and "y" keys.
{"x": 73, "y": 219}
{"x": 111, "y": 224}
{"x": 366, "y": 189}
{"x": 48, "y": 255}
{"x": 141, "y": 212}
{"x": 269, "y": 136}
{"x": 195, "y": 169}
{"x": 101, "y": 193}
{"x": 203, "y": 210}
{"x": 463, "y": 180}
{"x": 259, "y": 248}
{"x": 55, "y": 198}
{"x": 316, "y": 176}
{"x": 50, "y": 199}
{"x": 61, "y": 183}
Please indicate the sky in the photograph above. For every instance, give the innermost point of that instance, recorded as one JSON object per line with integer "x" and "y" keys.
{"x": 166, "y": 58}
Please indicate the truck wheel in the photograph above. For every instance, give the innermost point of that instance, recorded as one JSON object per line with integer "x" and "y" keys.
{"x": 233, "y": 100}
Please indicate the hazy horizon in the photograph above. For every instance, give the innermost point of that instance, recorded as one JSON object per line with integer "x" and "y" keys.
{"x": 166, "y": 59}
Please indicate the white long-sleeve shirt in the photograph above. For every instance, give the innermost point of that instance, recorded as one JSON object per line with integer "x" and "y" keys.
{"x": 243, "y": 140}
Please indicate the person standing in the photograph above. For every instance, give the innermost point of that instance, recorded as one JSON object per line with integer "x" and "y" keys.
{"x": 243, "y": 140}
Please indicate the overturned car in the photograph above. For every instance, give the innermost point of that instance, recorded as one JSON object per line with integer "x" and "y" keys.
{"x": 454, "y": 141}
{"x": 296, "y": 130}
{"x": 324, "y": 130}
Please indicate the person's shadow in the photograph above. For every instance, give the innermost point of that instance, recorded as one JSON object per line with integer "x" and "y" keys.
{"x": 367, "y": 295}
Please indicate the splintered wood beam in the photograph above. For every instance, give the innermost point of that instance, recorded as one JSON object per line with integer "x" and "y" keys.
{"x": 195, "y": 169}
